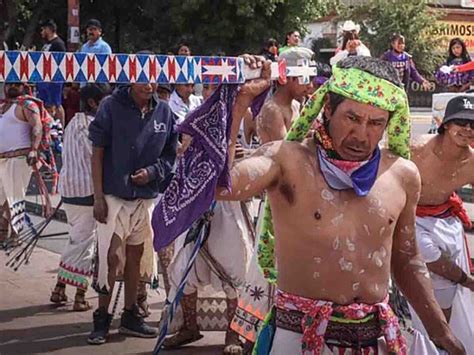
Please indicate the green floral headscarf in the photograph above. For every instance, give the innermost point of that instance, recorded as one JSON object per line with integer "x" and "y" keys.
{"x": 360, "y": 86}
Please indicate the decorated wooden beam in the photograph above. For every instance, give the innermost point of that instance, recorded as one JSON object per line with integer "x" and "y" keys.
{"x": 60, "y": 67}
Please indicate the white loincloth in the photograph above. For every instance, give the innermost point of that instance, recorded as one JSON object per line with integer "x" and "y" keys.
{"x": 76, "y": 265}
{"x": 436, "y": 236}
{"x": 122, "y": 219}
{"x": 255, "y": 298}
{"x": 230, "y": 244}
{"x": 286, "y": 342}
{"x": 15, "y": 176}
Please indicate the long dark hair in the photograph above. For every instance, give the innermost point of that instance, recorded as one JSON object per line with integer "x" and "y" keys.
{"x": 464, "y": 55}
{"x": 348, "y": 36}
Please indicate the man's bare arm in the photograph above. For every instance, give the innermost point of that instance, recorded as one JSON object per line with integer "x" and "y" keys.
{"x": 449, "y": 270}
{"x": 31, "y": 113}
{"x": 411, "y": 273}
{"x": 100, "y": 206}
{"x": 254, "y": 174}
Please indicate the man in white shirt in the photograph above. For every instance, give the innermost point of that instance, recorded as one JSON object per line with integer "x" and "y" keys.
{"x": 183, "y": 100}
{"x": 77, "y": 191}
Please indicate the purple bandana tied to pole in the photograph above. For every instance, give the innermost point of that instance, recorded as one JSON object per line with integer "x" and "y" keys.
{"x": 202, "y": 168}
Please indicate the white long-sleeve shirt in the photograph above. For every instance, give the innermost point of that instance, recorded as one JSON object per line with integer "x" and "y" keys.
{"x": 361, "y": 50}
{"x": 75, "y": 179}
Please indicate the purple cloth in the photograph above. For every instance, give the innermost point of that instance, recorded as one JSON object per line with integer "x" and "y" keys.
{"x": 200, "y": 170}
{"x": 404, "y": 65}
{"x": 258, "y": 102}
{"x": 360, "y": 178}
{"x": 454, "y": 79}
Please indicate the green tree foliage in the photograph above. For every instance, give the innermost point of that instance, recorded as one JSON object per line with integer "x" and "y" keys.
{"x": 209, "y": 26}
{"x": 414, "y": 19}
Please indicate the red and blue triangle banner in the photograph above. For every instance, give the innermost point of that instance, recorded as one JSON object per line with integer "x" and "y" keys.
{"x": 34, "y": 67}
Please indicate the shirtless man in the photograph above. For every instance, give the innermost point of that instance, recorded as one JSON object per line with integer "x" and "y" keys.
{"x": 20, "y": 137}
{"x": 336, "y": 246}
{"x": 446, "y": 163}
{"x": 282, "y": 108}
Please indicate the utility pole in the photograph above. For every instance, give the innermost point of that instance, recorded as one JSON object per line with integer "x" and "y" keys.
{"x": 73, "y": 23}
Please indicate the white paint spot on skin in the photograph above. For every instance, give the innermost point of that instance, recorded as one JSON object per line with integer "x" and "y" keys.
{"x": 253, "y": 174}
{"x": 238, "y": 192}
{"x": 350, "y": 245}
{"x": 336, "y": 221}
{"x": 336, "y": 243}
{"x": 327, "y": 195}
{"x": 378, "y": 256}
{"x": 268, "y": 153}
{"x": 406, "y": 229}
{"x": 362, "y": 271}
{"x": 309, "y": 169}
{"x": 224, "y": 192}
{"x": 418, "y": 263}
{"x": 382, "y": 230}
{"x": 247, "y": 187}
{"x": 382, "y": 212}
{"x": 355, "y": 286}
{"x": 316, "y": 275}
{"x": 317, "y": 259}
{"x": 376, "y": 287}
{"x": 366, "y": 228}
{"x": 375, "y": 202}
{"x": 345, "y": 265}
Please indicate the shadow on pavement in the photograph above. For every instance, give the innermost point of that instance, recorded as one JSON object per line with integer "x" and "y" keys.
{"x": 194, "y": 350}
{"x": 49, "y": 338}
{"x": 8, "y": 315}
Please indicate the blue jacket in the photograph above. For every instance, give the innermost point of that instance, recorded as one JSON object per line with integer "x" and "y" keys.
{"x": 132, "y": 142}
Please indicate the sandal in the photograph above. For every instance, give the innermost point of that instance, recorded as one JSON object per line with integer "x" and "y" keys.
{"x": 80, "y": 303}
{"x": 183, "y": 337}
{"x": 59, "y": 295}
{"x": 233, "y": 345}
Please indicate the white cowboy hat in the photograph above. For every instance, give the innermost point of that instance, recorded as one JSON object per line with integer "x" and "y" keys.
{"x": 350, "y": 26}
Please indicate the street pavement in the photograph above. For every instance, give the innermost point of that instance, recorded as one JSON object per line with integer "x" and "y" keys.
{"x": 29, "y": 324}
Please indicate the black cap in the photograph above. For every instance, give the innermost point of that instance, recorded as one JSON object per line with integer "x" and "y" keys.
{"x": 93, "y": 23}
{"x": 459, "y": 107}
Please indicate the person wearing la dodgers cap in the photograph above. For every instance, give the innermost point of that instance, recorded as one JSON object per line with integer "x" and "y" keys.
{"x": 446, "y": 164}
{"x": 460, "y": 112}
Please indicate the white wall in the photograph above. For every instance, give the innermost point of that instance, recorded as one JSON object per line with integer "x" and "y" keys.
{"x": 318, "y": 30}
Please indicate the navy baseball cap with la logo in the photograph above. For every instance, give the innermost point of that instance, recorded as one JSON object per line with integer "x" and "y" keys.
{"x": 458, "y": 108}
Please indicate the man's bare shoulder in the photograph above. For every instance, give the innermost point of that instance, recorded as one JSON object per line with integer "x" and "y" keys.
{"x": 403, "y": 169}
{"x": 279, "y": 149}
{"x": 270, "y": 111}
{"x": 421, "y": 142}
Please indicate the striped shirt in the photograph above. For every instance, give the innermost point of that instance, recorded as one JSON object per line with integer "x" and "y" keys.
{"x": 75, "y": 179}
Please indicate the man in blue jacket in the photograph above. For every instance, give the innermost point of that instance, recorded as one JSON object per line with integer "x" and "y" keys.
{"x": 134, "y": 149}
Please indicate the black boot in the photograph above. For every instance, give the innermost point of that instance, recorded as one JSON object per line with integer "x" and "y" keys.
{"x": 102, "y": 321}
{"x": 132, "y": 323}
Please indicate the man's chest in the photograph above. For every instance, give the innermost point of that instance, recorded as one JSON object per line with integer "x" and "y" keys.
{"x": 310, "y": 202}
{"x": 439, "y": 174}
